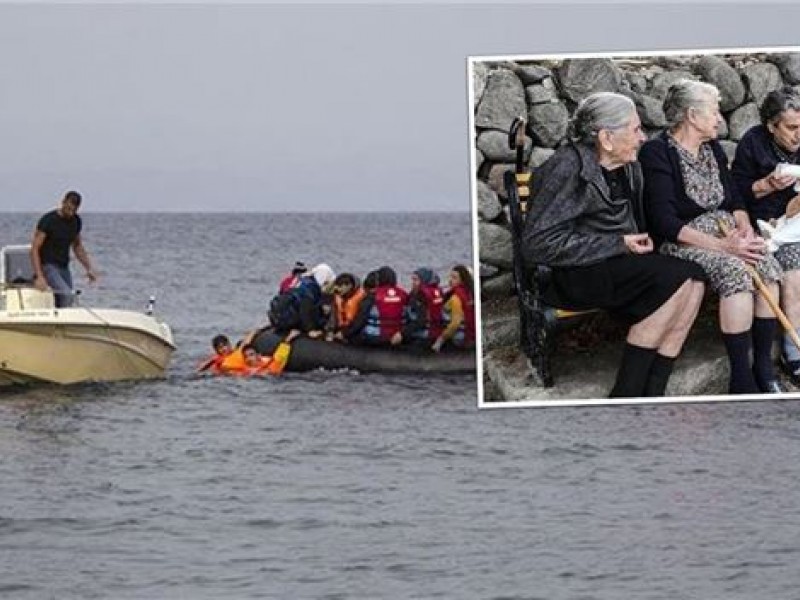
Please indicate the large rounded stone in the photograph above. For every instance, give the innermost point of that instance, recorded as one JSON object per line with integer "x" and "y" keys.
{"x": 531, "y": 73}
{"x": 494, "y": 145}
{"x": 761, "y": 78}
{"x": 489, "y": 207}
{"x": 547, "y": 123}
{"x": 789, "y": 65}
{"x": 715, "y": 70}
{"x": 480, "y": 73}
{"x": 651, "y": 111}
{"x": 636, "y": 81}
{"x": 584, "y": 76}
{"x": 543, "y": 92}
{"x": 500, "y": 285}
{"x": 496, "y": 178}
{"x": 502, "y": 102}
{"x": 494, "y": 245}
{"x": 742, "y": 119}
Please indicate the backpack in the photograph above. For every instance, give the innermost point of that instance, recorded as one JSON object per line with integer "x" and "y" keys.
{"x": 283, "y": 312}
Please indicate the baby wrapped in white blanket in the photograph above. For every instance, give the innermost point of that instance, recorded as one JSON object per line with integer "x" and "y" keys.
{"x": 786, "y": 229}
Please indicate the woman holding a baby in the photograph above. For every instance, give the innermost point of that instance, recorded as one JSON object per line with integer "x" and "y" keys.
{"x": 769, "y": 193}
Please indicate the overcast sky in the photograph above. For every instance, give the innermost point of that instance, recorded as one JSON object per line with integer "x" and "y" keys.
{"x": 265, "y": 107}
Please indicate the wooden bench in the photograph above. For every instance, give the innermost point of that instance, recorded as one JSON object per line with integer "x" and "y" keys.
{"x": 539, "y": 321}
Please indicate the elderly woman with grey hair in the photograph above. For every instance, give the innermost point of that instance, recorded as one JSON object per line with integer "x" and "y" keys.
{"x": 586, "y": 221}
{"x": 767, "y": 193}
{"x": 697, "y": 214}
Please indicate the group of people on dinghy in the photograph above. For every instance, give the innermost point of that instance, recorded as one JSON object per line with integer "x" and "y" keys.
{"x": 318, "y": 304}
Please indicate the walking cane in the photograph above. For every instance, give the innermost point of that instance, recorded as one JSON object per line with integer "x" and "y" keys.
{"x": 773, "y": 304}
{"x": 516, "y": 141}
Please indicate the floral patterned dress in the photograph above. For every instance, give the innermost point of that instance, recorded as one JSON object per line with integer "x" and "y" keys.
{"x": 727, "y": 274}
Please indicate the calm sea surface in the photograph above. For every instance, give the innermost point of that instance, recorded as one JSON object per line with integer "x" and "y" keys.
{"x": 339, "y": 485}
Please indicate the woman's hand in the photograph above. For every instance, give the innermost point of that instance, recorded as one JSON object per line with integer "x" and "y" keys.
{"x": 743, "y": 224}
{"x": 772, "y": 183}
{"x": 749, "y": 247}
{"x": 780, "y": 182}
{"x": 638, "y": 243}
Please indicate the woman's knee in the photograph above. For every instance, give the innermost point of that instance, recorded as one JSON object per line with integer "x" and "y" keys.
{"x": 790, "y": 283}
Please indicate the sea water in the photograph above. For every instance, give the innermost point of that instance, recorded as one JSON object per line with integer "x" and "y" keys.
{"x": 341, "y": 485}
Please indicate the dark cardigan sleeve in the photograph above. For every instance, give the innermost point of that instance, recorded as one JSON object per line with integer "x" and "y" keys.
{"x": 663, "y": 186}
{"x": 753, "y": 161}
{"x": 745, "y": 169}
{"x": 552, "y": 232}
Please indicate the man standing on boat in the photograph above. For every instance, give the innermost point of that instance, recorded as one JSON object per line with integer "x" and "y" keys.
{"x": 56, "y": 232}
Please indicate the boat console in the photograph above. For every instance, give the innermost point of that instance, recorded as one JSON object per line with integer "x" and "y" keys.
{"x": 16, "y": 279}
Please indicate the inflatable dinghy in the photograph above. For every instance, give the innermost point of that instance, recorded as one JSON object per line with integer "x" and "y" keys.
{"x": 308, "y": 354}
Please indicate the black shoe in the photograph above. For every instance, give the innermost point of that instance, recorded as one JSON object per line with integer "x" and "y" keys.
{"x": 792, "y": 369}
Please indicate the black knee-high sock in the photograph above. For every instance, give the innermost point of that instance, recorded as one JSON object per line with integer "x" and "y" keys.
{"x": 738, "y": 346}
{"x": 658, "y": 377}
{"x": 764, "y": 331}
{"x": 633, "y": 371}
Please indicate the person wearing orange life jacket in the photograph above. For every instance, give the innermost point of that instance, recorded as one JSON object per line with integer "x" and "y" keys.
{"x": 244, "y": 358}
{"x": 222, "y": 348}
{"x": 347, "y": 296}
{"x": 254, "y": 363}
{"x": 459, "y": 311}
{"x": 353, "y": 331}
{"x": 423, "y": 321}
{"x": 380, "y": 314}
{"x": 245, "y": 361}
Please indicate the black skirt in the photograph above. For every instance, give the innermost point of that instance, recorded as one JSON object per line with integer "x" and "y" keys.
{"x": 630, "y": 286}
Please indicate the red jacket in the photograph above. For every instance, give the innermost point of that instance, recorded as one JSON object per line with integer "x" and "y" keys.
{"x": 468, "y": 306}
{"x": 386, "y": 315}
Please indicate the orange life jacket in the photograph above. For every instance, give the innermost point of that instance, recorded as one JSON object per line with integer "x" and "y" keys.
{"x": 213, "y": 363}
{"x": 347, "y": 308}
{"x": 233, "y": 362}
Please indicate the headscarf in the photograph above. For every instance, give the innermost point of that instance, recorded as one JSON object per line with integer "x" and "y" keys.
{"x": 427, "y": 276}
{"x": 323, "y": 274}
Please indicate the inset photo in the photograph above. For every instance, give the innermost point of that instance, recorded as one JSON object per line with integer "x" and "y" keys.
{"x": 637, "y": 228}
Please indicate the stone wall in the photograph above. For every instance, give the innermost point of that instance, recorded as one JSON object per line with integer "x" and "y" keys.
{"x": 547, "y": 92}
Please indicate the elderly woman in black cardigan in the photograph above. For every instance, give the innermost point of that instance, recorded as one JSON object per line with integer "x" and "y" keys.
{"x": 586, "y": 221}
{"x": 688, "y": 194}
{"x": 767, "y": 193}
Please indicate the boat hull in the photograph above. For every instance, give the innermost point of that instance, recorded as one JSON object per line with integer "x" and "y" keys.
{"x": 75, "y": 345}
{"x": 308, "y": 354}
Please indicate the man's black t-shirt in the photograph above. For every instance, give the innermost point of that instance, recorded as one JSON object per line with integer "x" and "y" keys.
{"x": 59, "y": 235}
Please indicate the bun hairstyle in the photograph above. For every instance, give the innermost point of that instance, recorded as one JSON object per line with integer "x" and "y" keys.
{"x": 685, "y": 94}
{"x": 602, "y": 110}
{"x": 777, "y": 102}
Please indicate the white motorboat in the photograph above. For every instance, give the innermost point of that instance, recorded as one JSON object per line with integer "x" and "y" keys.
{"x": 42, "y": 343}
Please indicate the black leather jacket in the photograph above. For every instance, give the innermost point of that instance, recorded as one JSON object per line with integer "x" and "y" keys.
{"x": 572, "y": 220}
